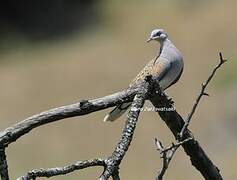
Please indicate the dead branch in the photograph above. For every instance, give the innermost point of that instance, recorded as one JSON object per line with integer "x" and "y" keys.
{"x": 175, "y": 145}
{"x": 202, "y": 93}
{"x": 111, "y": 164}
{"x": 185, "y": 138}
{"x": 83, "y": 107}
{"x": 3, "y": 164}
{"x": 198, "y": 157}
{"x": 115, "y": 159}
{"x": 166, "y": 155}
{"x": 62, "y": 170}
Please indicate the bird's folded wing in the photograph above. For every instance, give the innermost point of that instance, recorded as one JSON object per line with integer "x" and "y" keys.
{"x": 156, "y": 68}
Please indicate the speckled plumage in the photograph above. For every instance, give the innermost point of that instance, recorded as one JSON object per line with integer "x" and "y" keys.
{"x": 166, "y": 69}
{"x": 154, "y": 68}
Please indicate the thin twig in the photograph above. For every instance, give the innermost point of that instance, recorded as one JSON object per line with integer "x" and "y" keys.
{"x": 201, "y": 93}
{"x": 166, "y": 155}
{"x": 175, "y": 145}
{"x": 179, "y": 128}
{"x": 174, "y": 121}
{"x": 111, "y": 164}
{"x": 62, "y": 170}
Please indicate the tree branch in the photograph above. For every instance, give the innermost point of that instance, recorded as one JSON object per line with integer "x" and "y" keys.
{"x": 167, "y": 154}
{"x": 179, "y": 128}
{"x": 198, "y": 157}
{"x": 111, "y": 164}
{"x": 111, "y": 167}
{"x": 83, "y": 107}
{"x": 202, "y": 93}
{"x": 115, "y": 175}
{"x": 3, "y": 164}
{"x": 62, "y": 170}
{"x": 115, "y": 159}
{"x": 175, "y": 145}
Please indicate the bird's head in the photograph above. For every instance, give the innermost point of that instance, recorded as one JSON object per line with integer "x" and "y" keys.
{"x": 158, "y": 35}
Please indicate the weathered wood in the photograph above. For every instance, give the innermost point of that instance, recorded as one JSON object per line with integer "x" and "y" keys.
{"x": 115, "y": 159}
{"x": 111, "y": 164}
{"x": 62, "y": 170}
{"x": 175, "y": 122}
{"x": 3, "y": 164}
{"x": 83, "y": 107}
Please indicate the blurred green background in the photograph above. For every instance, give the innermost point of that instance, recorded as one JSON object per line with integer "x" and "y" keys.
{"x": 56, "y": 53}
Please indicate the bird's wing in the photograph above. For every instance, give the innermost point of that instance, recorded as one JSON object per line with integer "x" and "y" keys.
{"x": 156, "y": 68}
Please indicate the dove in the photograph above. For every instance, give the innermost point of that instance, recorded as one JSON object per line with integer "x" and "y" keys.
{"x": 166, "y": 69}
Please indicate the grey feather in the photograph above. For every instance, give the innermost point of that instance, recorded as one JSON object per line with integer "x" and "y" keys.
{"x": 166, "y": 69}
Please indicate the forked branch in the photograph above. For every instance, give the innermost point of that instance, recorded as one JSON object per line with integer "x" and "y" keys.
{"x": 62, "y": 170}
{"x": 83, "y": 107}
{"x": 167, "y": 155}
{"x": 111, "y": 165}
{"x": 202, "y": 93}
{"x": 185, "y": 135}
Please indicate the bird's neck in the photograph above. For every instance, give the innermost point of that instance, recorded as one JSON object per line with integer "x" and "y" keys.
{"x": 165, "y": 43}
{"x": 164, "y": 46}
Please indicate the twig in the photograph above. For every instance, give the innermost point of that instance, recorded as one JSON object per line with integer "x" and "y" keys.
{"x": 176, "y": 123}
{"x": 62, "y": 170}
{"x": 173, "y": 120}
{"x": 111, "y": 164}
{"x": 176, "y": 145}
{"x": 167, "y": 154}
{"x": 202, "y": 93}
{"x": 3, "y": 164}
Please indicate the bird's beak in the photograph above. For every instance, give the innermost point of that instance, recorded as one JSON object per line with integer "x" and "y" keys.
{"x": 149, "y": 39}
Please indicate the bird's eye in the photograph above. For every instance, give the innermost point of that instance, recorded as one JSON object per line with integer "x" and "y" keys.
{"x": 158, "y": 33}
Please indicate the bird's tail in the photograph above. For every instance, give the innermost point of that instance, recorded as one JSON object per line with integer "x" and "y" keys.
{"x": 117, "y": 112}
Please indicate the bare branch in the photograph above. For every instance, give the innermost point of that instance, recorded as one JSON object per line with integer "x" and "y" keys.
{"x": 160, "y": 148}
{"x": 176, "y": 145}
{"x": 167, "y": 154}
{"x": 115, "y": 175}
{"x": 115, "y": 159}
{"x": 176, "y": 123}
{"x": 62, "y": 170}
{"x": 83, "y": 107}
{"x": 111, "y": 165}
{"x": 3, "y": 164}
{"x": 202, "y": 93}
